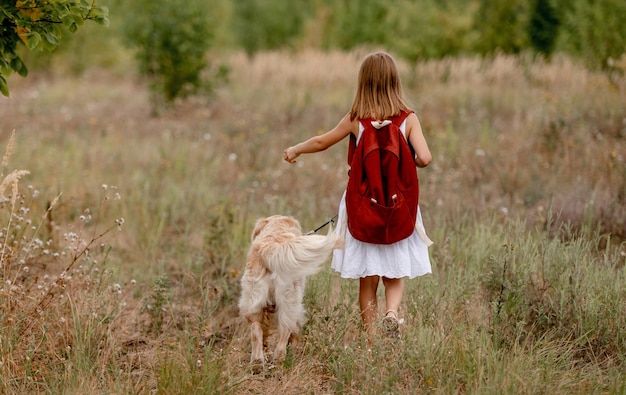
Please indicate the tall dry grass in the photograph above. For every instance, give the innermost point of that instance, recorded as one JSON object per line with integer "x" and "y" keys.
{"x": 524, "y": 200}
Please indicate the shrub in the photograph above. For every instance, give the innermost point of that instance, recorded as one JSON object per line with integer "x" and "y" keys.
{"x": 172, "y": 40}
{"x": 543, "y": 27}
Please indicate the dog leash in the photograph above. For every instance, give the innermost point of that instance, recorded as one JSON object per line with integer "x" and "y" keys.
{"x": 330, "y": 221}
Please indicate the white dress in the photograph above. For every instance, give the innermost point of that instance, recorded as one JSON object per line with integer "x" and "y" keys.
{"x": 405, "y": 258}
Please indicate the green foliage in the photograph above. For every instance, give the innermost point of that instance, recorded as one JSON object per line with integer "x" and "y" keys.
{"x": 172, "y": 43}
{"x": 260, "y": 24}
{"x": 355, "y": 22}
{"x": 429, "y": 30}
{"x": 543, "y": 27}
{"x": 501, "y": 26}
{"x": 172, "y": 40}
{"x": 40, "y": 25}
{"x": 594, "y": 30}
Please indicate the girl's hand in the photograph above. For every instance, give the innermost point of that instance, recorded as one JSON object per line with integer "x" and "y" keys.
{"x": 290, "y": 155}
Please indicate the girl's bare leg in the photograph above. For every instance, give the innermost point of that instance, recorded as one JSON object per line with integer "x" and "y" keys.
{"x": 368, "y": 303}
{"x": 394, "y": 290}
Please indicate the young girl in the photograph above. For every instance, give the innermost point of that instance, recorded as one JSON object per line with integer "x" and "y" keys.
{"x": 378, "y": 96}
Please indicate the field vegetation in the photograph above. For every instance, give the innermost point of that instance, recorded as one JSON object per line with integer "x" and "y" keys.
{"x": 124, "y": 234}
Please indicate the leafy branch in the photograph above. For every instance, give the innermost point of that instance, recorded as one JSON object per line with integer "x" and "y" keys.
{"x": 40, "y": 25}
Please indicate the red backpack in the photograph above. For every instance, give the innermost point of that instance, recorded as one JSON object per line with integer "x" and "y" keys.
{"x": 383, "y": 188}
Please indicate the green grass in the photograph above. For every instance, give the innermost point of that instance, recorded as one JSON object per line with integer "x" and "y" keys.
{"x": 525, "y": 201}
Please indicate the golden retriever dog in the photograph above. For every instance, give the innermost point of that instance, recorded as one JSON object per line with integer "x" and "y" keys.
{"x": 272, "y": 286}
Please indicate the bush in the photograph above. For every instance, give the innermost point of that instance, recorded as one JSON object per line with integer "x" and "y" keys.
{"x": 171, "y": 41}
{"x": 594, "y": 31}
{"x": 543, "y": 27}
{"x": 260, "y": 24}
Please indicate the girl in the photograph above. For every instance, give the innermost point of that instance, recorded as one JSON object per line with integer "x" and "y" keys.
{"x": 378, "y": 96}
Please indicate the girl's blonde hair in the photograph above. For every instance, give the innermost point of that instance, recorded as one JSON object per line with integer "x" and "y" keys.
{"x": 379, "y": 91}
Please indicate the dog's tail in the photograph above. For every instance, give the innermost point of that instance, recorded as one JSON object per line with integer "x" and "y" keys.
{"x": 302, "y": 255}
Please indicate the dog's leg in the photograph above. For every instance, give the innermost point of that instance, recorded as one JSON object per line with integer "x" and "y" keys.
{"x": 290, "y": 315}
{"x": 281, "y": 346}
{"x": 257, "y": 357}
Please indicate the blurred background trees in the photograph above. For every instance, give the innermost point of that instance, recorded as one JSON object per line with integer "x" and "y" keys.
{"x": 171, "y": 40}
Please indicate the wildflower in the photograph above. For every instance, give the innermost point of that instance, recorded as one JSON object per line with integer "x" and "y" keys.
{"x": 199, "y": 363}
{"x": 133, "y": 281}
{"x": 119, "y": 221}
{"x": 232, "y": 157}
{"x": 105, "y": 186}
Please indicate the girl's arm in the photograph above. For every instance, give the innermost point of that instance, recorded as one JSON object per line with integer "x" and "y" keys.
{"x": 418, "y": 142}
{"x": 321, "y": 142}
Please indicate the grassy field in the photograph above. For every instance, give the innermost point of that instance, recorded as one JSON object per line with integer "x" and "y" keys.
{"x": 122, "y": 249}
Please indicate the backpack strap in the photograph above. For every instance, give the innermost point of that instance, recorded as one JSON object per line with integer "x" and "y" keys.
{"x": 351, "y": 148}
{"x": 397, "y": 120}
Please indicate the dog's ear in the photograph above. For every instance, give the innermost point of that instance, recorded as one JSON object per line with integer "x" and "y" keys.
{"x": 258, "y": 227}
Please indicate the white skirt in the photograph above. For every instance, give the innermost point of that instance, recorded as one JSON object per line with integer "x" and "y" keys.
{"x": 405, "y": 258}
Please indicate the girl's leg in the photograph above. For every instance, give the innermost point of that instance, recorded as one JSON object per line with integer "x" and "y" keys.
{"x": 367, "y": 301}
{"x": 394, "y": 289}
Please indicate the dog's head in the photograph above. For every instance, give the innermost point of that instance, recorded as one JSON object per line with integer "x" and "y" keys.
{"x": 276, "y": 222}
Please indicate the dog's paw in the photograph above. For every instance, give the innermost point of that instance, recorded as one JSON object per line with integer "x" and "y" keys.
{"x": 257, "y": 366}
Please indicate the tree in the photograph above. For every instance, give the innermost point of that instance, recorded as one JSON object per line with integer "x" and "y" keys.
{"x": 543, "y": 27}
{"x": 501, "y": 26}
{"x": 261, "y": 24}
{"x": 39, "y": 24}
{"x": 171, "y": 41}
{"x": 358, "y": 22}
{"x": 594, "y": 30}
